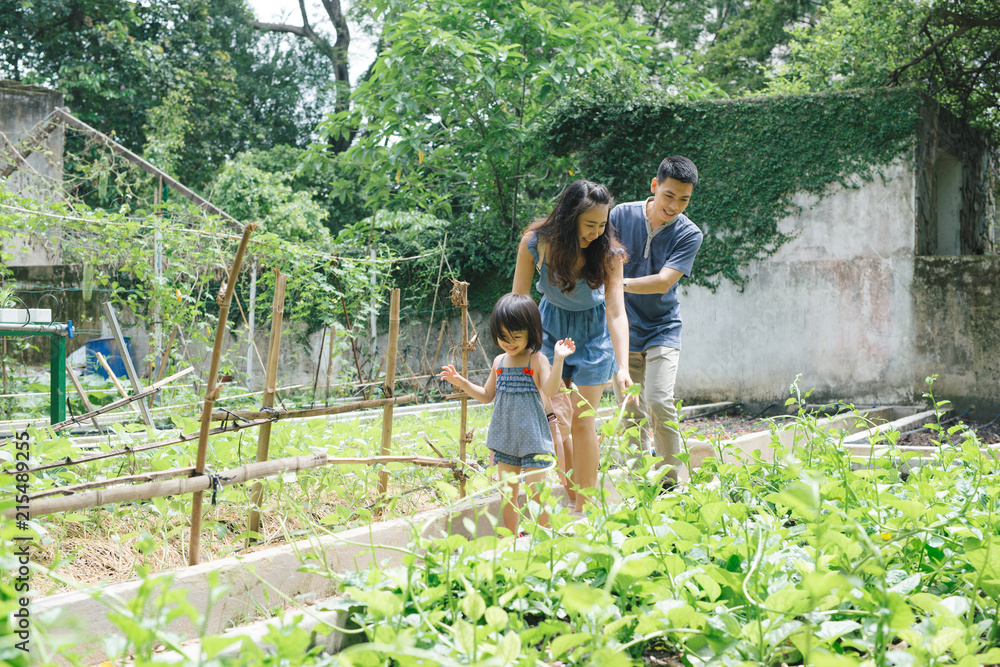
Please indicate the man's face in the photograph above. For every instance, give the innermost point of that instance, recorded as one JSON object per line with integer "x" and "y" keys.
{"x": 670, "y": 198}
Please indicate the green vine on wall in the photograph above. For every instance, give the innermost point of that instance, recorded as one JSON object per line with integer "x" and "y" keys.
{"x": 752, "y": 154}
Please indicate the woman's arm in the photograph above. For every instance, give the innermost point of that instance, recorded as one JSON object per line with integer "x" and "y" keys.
{"x": 614, "y": 303}
{"x": 482, "y": 394}
{"x": 524, "y": 270}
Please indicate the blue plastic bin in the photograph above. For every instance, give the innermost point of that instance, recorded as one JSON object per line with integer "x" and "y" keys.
{"x": 108, "y": 346}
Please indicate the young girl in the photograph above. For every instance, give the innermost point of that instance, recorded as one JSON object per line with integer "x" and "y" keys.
{"x": 519, "y": 435}
{"x": 579, "y": 262}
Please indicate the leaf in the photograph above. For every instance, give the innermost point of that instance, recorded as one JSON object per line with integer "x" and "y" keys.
{"x": 473, "y": 606}
{"x": 496, "y": 618}
{"x": 465, "y": 635}
{"x": 834, "y": 629}
{"x": 907, "y": 585}
{"x": 564, "y": 643}
{"x": 943, "y": 640}
{"x": 211, "y": 645}
{"x": 580, "y": 599}
{"x": 509, "y": 647}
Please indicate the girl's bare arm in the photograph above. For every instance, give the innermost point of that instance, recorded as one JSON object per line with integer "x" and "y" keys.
{"x": 483, "y": 394}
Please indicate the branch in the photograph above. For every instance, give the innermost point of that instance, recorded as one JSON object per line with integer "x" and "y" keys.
{"x": 893, "y": 77}
{"x": 279, "y": 27}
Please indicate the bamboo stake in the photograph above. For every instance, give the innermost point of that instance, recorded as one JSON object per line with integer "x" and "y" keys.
{"x": 389, "y": 390}
{"x": 114, "y": 380}
{"x": 316, "y": 412}
{"x": 437, "y": 287}
{"x": 329, "y": 365}
{"x": 187, "y": 437}
{"x": 264, "y": 435}
{"x": 460, "y": 297}
{"x": 200, "y": 483}
{"x": 210, "y": 390}
{"x": 437, "y": 350}
{"x": 319, "y": 365}
{"x": 115, "y": 481}
{"x": 166, "y": 356}
{"x": 149, "y": 391}
{"x": 83, "y": 395}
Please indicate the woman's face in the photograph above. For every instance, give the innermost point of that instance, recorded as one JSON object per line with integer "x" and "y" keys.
{"x": 591, "y": 224}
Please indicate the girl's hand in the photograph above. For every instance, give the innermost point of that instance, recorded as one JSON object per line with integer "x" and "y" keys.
{"x": 450, "y": 374}
{"x": 564, "y": 348}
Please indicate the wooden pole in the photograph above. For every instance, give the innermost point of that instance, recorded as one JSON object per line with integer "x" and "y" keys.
{"x": 199, "y": 483}
{"x": 180, "y": 188}
{"x": 389, "y": 390}
{"x": 133, "y": 377}
{"x": 264, "y": 435}
{"x": 83, "y": 395}
{"x": 210, "y": 390}
{"x": 316, "y": 412}
{"x": 114, "y": 380}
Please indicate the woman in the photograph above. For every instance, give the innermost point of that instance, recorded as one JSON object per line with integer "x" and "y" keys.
{"x": 580, "y": 277}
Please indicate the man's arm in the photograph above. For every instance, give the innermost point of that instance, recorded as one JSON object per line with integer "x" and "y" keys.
{"x": 658, "y": 283}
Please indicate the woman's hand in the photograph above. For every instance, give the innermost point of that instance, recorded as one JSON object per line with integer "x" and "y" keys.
{"x": 624, "y": 379}
{"x": 564, "y": 348}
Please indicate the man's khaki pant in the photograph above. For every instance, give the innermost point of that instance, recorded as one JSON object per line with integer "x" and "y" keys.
{"x": 656, "y": 370}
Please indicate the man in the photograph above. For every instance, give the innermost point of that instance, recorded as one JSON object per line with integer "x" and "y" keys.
{"x": 662, "y": 244}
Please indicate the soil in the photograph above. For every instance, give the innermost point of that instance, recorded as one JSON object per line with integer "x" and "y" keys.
{"x": 86, "y": 553}
{"x": 728, "y": 426}
{"x": 988, "y": 435}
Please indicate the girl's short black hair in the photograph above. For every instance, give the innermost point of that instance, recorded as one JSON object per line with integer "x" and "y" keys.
{"x": 517, "y": 312}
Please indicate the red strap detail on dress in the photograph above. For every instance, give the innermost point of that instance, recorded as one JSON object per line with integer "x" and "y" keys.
{"x": 528, "y": 371}
{"x": 499, "y": 370}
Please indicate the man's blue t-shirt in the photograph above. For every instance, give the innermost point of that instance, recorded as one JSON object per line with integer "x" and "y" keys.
{"x": 654, "y": 319}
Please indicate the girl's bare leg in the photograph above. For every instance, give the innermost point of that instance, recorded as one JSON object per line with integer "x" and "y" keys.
{"x": 534, "y": 477}
{"x": 510, "y": 475}
{"x": 586, "y": 454}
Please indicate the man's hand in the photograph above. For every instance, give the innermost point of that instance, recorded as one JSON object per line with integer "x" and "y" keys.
{"x": 564, "y": 348}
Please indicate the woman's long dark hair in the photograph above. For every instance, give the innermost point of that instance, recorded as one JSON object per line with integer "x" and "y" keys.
{"x": 562, "y": 240}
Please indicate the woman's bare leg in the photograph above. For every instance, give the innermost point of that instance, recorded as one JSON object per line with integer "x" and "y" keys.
{"x": 586, "y": 454}
{"x": 562, "y": 406}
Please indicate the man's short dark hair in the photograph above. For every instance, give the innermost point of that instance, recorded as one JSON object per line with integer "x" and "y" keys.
{"x": 678, "y": 168}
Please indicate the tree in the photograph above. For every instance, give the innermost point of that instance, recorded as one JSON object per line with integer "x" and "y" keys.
{"x": 116, "y": 61}
{"x": 447, "y": 114}
{"x": 729, "y": 41}
{"x": 335, "y": 53}
{"x": 948, "y": 48}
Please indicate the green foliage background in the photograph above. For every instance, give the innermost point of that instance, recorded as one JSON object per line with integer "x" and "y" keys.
{"x": 753, "y": 155}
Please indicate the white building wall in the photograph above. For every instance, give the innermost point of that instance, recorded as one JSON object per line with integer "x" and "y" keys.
{"x": 833, "y": 305}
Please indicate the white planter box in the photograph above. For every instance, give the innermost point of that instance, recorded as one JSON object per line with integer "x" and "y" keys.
{"x": 20, "y": 315}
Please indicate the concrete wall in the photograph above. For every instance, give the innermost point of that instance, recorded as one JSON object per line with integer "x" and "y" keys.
{"x": 833, "y": 305}
{"x": 957, "y": 308}
{"x": 21, "y": 108}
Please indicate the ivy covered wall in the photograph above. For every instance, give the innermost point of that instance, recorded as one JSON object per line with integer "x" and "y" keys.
{"x": 752, "y": 155}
